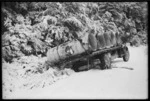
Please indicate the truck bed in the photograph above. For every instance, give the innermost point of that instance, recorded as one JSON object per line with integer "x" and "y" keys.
{"x": 86, "y": 55}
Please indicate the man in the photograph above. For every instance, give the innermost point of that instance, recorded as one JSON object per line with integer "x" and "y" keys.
{"x": 92, "y": 40}
{"x": 100, "y": 38}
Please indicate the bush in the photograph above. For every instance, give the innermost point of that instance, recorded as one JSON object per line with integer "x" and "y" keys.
{"x": 33, "y": 27}
{"x": 135, "y": 41}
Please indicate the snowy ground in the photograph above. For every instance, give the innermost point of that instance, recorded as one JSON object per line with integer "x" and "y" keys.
{"x": 127, "y": 80}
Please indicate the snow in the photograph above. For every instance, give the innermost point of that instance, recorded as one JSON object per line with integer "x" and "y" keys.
{"x": 127, "y": 80}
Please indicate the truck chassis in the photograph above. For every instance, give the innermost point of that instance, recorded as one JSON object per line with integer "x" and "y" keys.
{"x": 103, "y": 55}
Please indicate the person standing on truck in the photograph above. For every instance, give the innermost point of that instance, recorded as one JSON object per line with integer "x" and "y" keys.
{"x": 92, "y": 40}
{"x": 118, "y": 36}
{"x": 107, "y": 34}
{"x": 113, "y": 29}
{"x": 100, "y": 38}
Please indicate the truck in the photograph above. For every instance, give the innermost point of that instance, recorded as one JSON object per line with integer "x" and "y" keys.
{"x": 100, "y": 49}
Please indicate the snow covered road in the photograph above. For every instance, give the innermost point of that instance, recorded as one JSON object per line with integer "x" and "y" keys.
{"x": 125, "y": 80}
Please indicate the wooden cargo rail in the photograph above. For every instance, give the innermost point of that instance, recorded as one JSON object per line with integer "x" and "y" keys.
{"x": 86, "y": 55}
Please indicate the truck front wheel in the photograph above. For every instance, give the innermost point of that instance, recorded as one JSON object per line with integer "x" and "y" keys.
{"x": 78, "y": 65}
{"x": 75, "y": 67}
{"x": 105, "y": 61}
{"x": 126, "y": 54}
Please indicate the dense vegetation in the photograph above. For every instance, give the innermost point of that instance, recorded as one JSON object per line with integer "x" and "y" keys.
{"x": 31, "y": 28}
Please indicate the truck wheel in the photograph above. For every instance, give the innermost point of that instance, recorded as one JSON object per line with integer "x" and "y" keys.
{"x": 75, "y": 68}
{"x": 126, "y": 54}
{"x": 78, "y": 64}
{"x": 105, "y": 61}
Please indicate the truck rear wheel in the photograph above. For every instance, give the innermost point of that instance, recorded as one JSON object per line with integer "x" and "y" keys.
{"x": 78, "y": 64}
{"x": 105, "y": 61}
{"x": 126, "y": 54}
{"x": 75, "y": 67}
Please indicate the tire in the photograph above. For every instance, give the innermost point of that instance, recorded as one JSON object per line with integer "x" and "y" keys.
{"x": 105, "y": 61}
{"x": 120, "y": 52}
{"x": 126, "y": 55}
{"x": 75, "y": 68}
{"x": 77, "y": 65}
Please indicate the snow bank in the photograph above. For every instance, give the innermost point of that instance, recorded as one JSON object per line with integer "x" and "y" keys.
{"x": 28, "y": 73}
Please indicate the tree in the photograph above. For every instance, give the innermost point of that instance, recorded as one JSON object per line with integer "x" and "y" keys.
{"x": 34, "y": 27}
